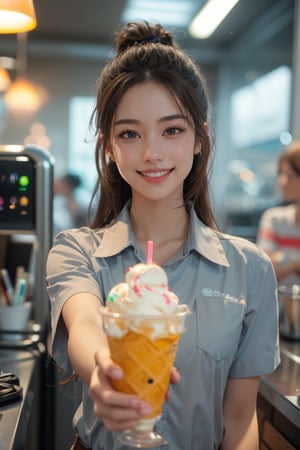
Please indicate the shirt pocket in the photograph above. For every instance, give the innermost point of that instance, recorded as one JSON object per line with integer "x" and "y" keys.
{"x": 219, "y": 323}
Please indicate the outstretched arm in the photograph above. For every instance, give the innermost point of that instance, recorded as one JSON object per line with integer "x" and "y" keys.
{"x": 239, "y": 409}
{"x": 90, "y": 357}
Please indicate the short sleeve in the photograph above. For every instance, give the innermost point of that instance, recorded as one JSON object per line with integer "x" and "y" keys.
{"x": 258, "y": 351}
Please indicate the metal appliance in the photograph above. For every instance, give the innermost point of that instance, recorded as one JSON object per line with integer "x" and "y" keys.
{"x": 26, "y": 192}
{"x": 26, "y": 196}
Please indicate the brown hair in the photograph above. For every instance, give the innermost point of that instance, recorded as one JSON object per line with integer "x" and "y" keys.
{"x": 291, "y": 155}
{"x": 148, "y": 52}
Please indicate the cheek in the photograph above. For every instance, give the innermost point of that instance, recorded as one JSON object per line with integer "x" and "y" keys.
{"x": 124, "y": 154}
{"x": 125, "y": 162}
{"x": 185, "y": 151}
{"x": 124, "y": 159}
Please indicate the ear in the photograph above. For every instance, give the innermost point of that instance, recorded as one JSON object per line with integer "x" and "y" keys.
{"x": 198, "y": 145}
{"x": 110, "y": 154}
{"x": 206, "y": 128}
{"x": 197, "y": 149}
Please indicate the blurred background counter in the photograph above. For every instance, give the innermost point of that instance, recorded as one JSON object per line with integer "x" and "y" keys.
{"x": 24, "y": 422}
{"x": 279, "y": 402}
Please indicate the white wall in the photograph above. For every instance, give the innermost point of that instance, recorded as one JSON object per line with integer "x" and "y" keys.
{"x": 61, "y": 79}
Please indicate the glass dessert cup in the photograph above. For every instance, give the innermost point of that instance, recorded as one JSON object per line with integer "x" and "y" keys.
{"x": 145, "y": 347}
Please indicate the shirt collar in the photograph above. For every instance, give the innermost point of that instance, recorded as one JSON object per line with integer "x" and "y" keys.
{"x": 120, "y": 235}
{"x": 206, "y": 241}
{"x": 117, "y": 236}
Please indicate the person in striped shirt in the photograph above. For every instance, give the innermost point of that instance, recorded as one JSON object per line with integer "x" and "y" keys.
{"x": 279, "y": 227}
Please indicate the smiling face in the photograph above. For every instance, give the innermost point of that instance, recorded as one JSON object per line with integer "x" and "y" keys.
{"x": 153, "y": 143}
{"x": 289, "y": 182}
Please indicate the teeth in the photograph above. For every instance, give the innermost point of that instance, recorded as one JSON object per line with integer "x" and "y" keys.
{"x": 154, "y": 174}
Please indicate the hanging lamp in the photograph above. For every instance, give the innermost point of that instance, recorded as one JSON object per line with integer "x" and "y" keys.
{"x": 23, "y": 96}
{"x": 17, "y": 16}
{"x": 5, "y": 80}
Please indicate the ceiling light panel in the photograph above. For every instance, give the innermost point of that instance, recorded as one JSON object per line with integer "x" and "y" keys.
{"x": 210, "y": 17}
{"x": 177, "y": 13}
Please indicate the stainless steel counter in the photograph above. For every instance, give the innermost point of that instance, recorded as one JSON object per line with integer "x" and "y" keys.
{"x": 22, "y": 426}
{"x": 282, "y": 388}
{"x": 15, "y": 416}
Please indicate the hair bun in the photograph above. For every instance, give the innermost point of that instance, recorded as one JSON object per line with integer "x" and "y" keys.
{"x": 142, "y": 33}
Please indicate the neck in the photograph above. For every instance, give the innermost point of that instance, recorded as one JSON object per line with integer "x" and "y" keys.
{"x": 167, "y": 227}
{"x": 157, "y": 221}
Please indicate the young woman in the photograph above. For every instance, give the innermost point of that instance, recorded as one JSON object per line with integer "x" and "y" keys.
{"x": 279, "y": 227}
{"x": 152, "y": 156}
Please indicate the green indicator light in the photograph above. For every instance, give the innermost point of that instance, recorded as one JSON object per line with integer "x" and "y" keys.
{"x": 24, "y": 181}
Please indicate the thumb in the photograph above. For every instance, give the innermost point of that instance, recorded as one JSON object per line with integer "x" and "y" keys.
{"x": 107, "y": 366}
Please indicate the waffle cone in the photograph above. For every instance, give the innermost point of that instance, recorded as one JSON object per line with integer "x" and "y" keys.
{"x": 146, "y": 364}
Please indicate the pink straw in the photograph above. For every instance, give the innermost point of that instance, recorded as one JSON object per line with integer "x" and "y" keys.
{"x": 149, "y": 252}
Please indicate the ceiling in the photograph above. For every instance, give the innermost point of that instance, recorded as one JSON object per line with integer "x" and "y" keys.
{"x": 85, "y": 28}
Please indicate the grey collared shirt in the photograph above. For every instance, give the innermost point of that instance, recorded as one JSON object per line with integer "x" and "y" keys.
{"x": 229, "y": 285}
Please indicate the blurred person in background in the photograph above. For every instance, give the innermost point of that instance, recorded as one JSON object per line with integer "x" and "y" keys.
{"x": 279, "y": 227}
{"x": 71, "y": 203}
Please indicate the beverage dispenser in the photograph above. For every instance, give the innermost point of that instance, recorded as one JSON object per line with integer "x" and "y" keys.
{"x": 26, "y": 192}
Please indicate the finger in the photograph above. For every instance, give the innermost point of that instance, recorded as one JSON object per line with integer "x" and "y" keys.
{"x": 116, "y": 418}
{"x": 111, "y": 398}
{"x": 168, "y": 395}
{"x": 100, "y": 390}
{"x": 175, "y": 376}
{"x": 118, "y": 413}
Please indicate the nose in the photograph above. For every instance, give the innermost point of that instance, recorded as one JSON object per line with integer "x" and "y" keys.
{"x": 153, "y": 150}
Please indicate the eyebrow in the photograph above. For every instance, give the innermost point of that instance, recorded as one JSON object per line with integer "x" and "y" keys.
{"x": 162, "y": 119}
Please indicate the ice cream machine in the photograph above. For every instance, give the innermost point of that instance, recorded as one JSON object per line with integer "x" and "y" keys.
{"x": 26, "y": 193}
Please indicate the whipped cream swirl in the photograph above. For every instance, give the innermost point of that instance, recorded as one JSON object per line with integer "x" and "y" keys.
{"x": 145, "y": 291}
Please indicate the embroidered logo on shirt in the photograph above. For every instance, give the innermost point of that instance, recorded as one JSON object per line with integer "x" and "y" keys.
{"x": 208, "y": 292}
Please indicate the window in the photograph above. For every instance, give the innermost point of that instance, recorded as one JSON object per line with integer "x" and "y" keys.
{"x": 82, "y": 141}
